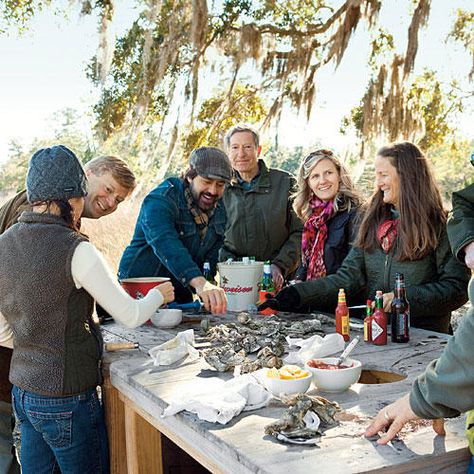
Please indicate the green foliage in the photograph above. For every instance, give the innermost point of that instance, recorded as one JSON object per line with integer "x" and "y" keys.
{"x": 17, "y": 13}
{"x": 244, "y": 105}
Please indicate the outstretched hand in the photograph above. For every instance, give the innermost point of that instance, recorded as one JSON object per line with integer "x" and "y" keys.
{"x": 288, "y": 299}
{"x": 393, "y": 418}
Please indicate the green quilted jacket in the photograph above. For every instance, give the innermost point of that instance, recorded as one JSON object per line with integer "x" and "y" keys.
{"x": 436, "y": 284}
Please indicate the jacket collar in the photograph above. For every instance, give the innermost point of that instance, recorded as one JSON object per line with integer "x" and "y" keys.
{"x": 263, "y": 180}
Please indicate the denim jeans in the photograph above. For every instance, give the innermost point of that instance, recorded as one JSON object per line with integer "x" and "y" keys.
{"x": 470, "y": 468}
{"x": 61, "y": 434}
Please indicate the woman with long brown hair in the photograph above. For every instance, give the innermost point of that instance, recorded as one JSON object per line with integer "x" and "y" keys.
{"x": 403, "y": 231}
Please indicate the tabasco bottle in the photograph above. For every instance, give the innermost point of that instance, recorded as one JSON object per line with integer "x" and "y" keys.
{"x": 342, "y": 316}
{"x": 379, "y": 322}
{"x": 400, "y": 311}
{"x": 368, "y": 322}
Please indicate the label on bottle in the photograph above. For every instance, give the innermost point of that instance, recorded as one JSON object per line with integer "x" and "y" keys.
{"x": 366, "y": 331}
{"x": 345, "y": 325}
{"x": 376, "y": 330}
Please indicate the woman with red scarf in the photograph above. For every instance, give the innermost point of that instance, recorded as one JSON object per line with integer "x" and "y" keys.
{"x": 327, "y": 203}
{"x": 403, "y": 230}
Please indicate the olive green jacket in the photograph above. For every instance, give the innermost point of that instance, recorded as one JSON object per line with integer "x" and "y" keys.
{"x": 436, "y": 284}
{"x": 11, "y": 210}
{"x": 461, "y": 222}
{"x": 261, "y": 221}
{"x": 446, "y": 388}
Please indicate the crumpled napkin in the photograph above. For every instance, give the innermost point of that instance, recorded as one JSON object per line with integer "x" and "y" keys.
{"x": 217, "y": 401}
{"x": 171, "y": 351}
{"x": 314, "y": 347}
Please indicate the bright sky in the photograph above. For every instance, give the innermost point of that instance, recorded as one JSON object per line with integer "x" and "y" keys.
{"x": 44, "y": 71}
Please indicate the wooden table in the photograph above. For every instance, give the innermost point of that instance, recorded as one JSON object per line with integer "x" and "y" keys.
{"x": 137, "y": 392}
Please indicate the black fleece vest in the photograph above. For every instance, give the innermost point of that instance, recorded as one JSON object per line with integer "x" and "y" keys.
{"x": 57, "y": 346}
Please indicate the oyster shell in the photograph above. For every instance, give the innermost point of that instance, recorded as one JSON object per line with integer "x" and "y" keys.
{"x": 297, "y": 424}
{"x": 223, "y": 358}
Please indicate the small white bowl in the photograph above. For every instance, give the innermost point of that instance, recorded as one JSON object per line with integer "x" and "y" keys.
{"x": 167, "y": 318}
{"x": 335, "y": 381}
{"x": 278, "y": 387}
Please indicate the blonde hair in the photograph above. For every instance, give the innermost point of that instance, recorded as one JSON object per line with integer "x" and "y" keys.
{"x": 117, "y": 167}
{"x": 344, "y": 200}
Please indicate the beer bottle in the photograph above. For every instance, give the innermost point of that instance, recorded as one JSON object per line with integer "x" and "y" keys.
{"x": 368, "y": 322}
{"x": 342, "y": 315}
{"x": 266, "y": 287}
{"x": 400, "y": 312}
{"x": 206, "y": 272}
{"x": 379, "y": 322}
{"x": 266, "y": 284}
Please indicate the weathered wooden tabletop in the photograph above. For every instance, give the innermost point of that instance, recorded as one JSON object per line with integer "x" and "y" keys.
{"x": 242, "y": 446}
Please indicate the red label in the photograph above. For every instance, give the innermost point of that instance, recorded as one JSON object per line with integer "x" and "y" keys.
{"x": 237, "y": 289}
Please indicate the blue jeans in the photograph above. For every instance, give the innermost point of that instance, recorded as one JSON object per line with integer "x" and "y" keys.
{"x": 61, "y": 434}
{"x": 470, "y": 468}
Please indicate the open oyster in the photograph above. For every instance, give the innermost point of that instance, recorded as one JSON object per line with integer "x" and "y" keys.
{"x": 306, "y": 418}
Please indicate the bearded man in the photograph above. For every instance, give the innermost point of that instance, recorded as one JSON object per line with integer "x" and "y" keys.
{"x": 180, "y": 226}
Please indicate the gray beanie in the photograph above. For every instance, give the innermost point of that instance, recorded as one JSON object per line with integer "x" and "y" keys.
{"x": 211, "y": 162}
{"x": 53, "y": 174}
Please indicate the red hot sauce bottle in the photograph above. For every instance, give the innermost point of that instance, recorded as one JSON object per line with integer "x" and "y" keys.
{"x": 379, "y": 322}
{"x": 342, "y": 316}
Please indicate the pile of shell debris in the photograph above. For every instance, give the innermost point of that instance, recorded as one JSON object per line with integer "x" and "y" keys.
{"x": 266, "y": 336}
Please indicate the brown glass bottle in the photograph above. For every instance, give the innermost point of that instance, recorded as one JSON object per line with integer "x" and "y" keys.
{"x": 400, "y": 311}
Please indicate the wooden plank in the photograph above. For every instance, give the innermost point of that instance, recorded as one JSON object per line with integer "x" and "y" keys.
{"x": 115, "y": 422}
{"x": 143, "y": 444}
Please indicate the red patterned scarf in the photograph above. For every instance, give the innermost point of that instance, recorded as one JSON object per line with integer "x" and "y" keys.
{"x": 386, "y": 234}
{"x": 314, "y": 237}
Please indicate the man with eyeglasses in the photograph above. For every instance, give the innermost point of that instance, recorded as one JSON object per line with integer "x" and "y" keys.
{"x": 260, "y": 218}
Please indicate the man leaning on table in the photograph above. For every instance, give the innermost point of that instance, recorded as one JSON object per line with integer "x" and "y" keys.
{"x": 446, "y": 388}
{"x": 180, "y": 226}
{"x": 260, "y": 218}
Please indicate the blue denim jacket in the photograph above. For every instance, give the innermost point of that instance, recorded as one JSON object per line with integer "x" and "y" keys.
{"x": 166, "y": 241}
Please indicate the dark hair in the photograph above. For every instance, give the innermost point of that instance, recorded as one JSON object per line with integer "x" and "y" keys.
{"x": 422, "y": 216}
{"x": 188, "y": 173}
{"x": 65, "y": 212}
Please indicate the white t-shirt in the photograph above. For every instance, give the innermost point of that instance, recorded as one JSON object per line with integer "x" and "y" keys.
{"x": 90, "y": 271}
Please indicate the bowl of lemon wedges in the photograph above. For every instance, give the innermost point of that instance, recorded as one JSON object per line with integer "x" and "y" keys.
{"x": 288, "y": 380}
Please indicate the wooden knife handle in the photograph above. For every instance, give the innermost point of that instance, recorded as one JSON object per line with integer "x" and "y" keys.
{"x": 119, "y": 346}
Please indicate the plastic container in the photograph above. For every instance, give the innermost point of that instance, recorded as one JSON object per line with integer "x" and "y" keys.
{"x": 138, "y": 287}
{"x": 240, "y": 283}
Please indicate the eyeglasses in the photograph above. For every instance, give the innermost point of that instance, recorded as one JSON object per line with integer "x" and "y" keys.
{"x": 317, "y": 153}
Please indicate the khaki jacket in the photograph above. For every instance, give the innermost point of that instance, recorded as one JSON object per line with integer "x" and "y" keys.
{"x": 11, "y": 210}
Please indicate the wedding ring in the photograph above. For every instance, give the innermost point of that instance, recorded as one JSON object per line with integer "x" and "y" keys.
{"x": 386, "y": 415}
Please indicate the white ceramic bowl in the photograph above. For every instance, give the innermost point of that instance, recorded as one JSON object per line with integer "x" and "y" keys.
{"x": 167, "y": 318}
{"x": 278, "y": 387}
{"x": 335, "y": 380}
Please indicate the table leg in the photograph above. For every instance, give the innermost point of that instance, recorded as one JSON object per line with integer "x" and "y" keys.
{"x": 143, "y": 445}
{"x": 115, "y": 422}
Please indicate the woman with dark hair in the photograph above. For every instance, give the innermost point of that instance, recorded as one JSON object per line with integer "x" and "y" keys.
{"x": 327, "y": 203}
{"x": 50, "y": 276}
{"x": 403, "y": 230}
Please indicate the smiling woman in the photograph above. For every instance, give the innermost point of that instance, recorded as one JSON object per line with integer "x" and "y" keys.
{"x": 403, "y": 230}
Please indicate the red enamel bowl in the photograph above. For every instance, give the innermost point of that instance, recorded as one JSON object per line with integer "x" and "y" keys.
{"x": 138, "y": 287}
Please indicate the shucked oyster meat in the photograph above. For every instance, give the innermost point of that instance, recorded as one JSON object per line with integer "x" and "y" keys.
{"x": 299, "y": 420}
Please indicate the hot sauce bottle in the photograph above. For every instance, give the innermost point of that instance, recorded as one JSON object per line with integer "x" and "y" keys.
{"x": 342, "y": 316}
{"x": 368, "y": 322}
{"x": 379, "y": 322}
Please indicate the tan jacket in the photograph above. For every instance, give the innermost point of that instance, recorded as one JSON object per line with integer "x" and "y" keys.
{"x": 11, "y": 210}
